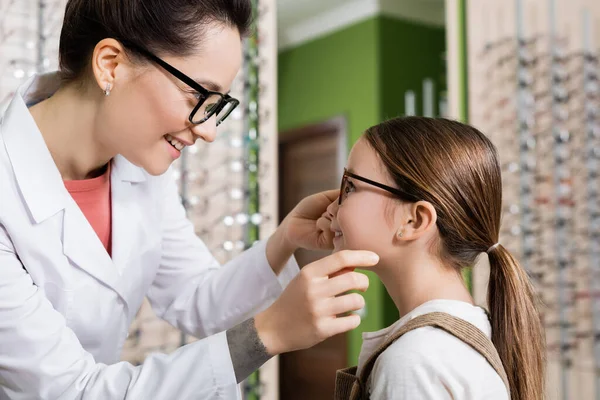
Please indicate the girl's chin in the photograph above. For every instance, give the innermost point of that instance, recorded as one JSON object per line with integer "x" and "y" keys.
{"x": 337, "y": 247}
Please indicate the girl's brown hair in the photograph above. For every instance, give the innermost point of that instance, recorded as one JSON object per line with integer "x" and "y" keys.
{"x": 455, "y": 168}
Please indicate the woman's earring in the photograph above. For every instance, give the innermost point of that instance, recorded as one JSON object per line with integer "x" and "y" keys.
{"x": 400, "y": 234}
{"x": 107, "y": 90}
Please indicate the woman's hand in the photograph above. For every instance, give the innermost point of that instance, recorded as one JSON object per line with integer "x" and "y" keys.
{"x": 307, "y": 311}
{"x": 308, "y": 224}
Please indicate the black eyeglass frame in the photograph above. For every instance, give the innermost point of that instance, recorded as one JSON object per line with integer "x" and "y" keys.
{"x": 205, "y": 93}
{"x": 403, "y": 195}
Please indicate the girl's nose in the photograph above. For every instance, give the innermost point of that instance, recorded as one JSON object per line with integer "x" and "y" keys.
{"x": 333, "y": 209}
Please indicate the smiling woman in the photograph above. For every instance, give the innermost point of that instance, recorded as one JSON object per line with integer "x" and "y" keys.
{"x": 145, "y": 60}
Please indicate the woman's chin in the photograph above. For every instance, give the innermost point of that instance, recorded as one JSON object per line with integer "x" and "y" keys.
{"x": 156, "y": 167}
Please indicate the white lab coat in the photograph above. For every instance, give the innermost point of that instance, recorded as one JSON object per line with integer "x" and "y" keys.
{"x": 66, "y": 306}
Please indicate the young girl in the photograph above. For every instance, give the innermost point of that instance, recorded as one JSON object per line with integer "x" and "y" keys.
{"x": 426, "y": 196}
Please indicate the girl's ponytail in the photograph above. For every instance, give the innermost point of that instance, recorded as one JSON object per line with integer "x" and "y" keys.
{"x": 517, "y": 331}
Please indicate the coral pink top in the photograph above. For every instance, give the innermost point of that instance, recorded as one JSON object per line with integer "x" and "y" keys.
{"x": 93, "y": 198}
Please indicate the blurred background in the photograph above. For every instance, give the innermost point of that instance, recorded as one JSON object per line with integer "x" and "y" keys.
{"x": 317, "y": 73}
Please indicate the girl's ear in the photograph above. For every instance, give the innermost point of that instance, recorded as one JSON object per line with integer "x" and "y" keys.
{"x": 421, "y": 217}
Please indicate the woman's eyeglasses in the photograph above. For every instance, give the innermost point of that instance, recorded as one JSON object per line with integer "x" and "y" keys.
{"x": 209, "y": 102}
{"x": 346, "y": 187}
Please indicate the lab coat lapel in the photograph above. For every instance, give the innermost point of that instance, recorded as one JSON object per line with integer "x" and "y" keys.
{"x": 83, "y": 247}
{"x": 127, "y": 220}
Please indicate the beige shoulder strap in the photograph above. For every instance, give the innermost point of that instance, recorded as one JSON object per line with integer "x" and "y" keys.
{"x": 457, "y": 327}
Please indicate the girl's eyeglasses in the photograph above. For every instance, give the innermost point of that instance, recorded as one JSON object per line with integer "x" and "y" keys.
{"x": 345, "y": 187}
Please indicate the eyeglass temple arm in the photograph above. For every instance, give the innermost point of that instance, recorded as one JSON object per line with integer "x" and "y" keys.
{"x": 377, "y": 184}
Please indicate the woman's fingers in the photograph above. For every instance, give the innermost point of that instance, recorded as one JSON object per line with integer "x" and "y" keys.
{"x": 346, "y": 303}
{"x": 331, "y": 194}
{"x": 339, "y": 325}
{"x": 344, "y": 271}
{"x": 344, "y": 259}
{"x": 346, "y": 282}
{"x": 306, "y": 312}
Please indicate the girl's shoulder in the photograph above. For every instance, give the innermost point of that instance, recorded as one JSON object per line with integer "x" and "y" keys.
{"x": 431, "y": 363}
{"x": 429, "y": 346}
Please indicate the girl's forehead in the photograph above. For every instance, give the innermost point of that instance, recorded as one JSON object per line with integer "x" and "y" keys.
{"x": 362, "y": 156}
{"x": 364, "y": 160}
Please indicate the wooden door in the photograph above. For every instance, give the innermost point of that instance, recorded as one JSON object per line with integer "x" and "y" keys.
{"x": 311, "y": 160}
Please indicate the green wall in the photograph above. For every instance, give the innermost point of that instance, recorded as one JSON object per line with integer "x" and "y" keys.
{"x": 360, "y": 72}
{"x": 331, "y": 76}
{"x": 409, "y": 52}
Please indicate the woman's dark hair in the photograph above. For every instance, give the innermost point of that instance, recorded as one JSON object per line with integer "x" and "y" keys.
{"x": 172, "y": 27}
{"x": 455, "y": 168}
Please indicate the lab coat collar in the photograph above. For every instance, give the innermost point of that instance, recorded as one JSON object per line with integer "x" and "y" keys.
{"x": 126, "y": 171}
{"x": 38, "y": 178}
{"x": 32, "y": 162}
